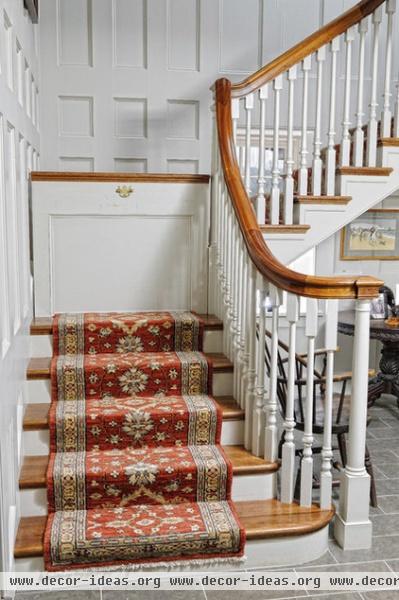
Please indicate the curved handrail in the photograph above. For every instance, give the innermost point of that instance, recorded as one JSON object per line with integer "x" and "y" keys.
{"x": 306, "y": 47}
{"x": 266, "y": 263}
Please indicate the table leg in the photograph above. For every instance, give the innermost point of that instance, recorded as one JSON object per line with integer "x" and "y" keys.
{"x": 389, "y": 368}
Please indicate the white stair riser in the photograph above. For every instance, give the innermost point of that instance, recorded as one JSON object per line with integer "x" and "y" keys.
{"x": 42, "y": 345}
{"x": 38, "y": 442}
{"x": 277, "y": 552}
{"x": 245, "y": 487}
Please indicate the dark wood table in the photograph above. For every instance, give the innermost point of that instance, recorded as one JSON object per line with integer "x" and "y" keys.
{"x": 387, "y": 379}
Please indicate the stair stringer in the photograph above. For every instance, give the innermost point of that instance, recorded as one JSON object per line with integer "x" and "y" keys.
{"x": 366, "y": 191}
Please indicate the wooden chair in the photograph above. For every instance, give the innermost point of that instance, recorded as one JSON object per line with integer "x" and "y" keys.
{"x": 340, "y": 419}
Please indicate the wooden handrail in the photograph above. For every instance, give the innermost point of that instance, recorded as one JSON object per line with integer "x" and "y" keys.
{"x": 264, "y": 260}
{"x": 304, "y": 48}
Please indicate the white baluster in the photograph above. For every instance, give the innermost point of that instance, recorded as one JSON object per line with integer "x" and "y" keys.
{"x": 396, "y": 118}
{"x": 260, "y": 199}
{"x": 249, "y": 104}
{"x": 271, "y": 443}
{"x": 352, "y": 523}
{"x": 358, "y": 138}
{"x": 237, "y": 345}
{"x": 326, "y": 453}
{"x": 275, "y": 194}
{"x": 331, "y": 153}
{"x": 303, "y": 171}
{"x": 288, "y": 452}
{"x": 346, "y": 139}
{"x": 235, "y": 115}
{"x": 228, "y": 260}
{"x": 386, "y": 117}
{"x": 213, "y": 288}
{"x": 244, "y": 328}
{"x": 307, "y": 460}
{"x": 258, "y": 428}
{"x": 289, "y": 163}
{"x": 317, "y": 167}
{"x": 251, "y": 373}
{"x": 372, "y": 128}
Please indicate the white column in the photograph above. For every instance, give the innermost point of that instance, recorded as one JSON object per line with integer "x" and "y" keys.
{"x": 235, "y": 115}
{"x": 258, "y": 427}
{"x": 260, "y": 199}
{"x": 303, "y": 171}
{"x": 307, "y": 460}
{"x": 373, "y": 122}
{"x": 249, "y": 104}
{"x": 317, "y": 162}
{"x": 271, "y": 442}
{"x": 386, "y": 117}
{"x": 288, "y": 453}
{"x": 352, "y": 523}
{"x": 331, "y": 153}
{"x": 346, "y": 140}
{"x": 358, "y": 137}
{"x": 289, "y": 163}
{"x": 396, "y": 118}
{"x": 275, "y": 195}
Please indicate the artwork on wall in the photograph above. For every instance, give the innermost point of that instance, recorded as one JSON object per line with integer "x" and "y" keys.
{"x": 32, "y": 6}
{"x": 372, "y": 236}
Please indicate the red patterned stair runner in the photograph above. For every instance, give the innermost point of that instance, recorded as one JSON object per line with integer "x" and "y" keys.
{"x": 136, "y": 476}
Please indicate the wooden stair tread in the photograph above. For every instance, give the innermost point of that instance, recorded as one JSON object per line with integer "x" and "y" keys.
{"x": 388, "y": 141}
{"x": 322, "y": 199}
{"x": 44, "y": 325}
{"x": 36, "y": 415}
{"x": 376, "y": 171}
{"x": 34, "y": 468}
{"x": 261, "y": 519}
{"x": 284, "y": 228}
{"x": 39, "y": 368}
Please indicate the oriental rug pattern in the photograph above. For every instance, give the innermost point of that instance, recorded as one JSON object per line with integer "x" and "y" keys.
{"x": 136, "y": 475}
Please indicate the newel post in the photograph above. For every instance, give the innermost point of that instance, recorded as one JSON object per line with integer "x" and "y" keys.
{"x": 352, "y": 524}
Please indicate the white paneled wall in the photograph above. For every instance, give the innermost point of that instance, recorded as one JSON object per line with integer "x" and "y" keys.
{"x": 19, "y": 152}
{"x": 126, "y": 82}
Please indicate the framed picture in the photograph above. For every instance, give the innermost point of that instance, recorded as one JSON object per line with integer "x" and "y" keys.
{"x": 32, "y": 6}
{"x": 378, "y": 307}
{"x": 372, "y": 236}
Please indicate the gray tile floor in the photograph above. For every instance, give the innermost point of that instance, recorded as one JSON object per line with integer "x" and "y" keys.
{"x": 383, "y": 443}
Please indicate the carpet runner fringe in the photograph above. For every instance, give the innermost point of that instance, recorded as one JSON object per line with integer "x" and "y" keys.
{"x": 137, "y": 477}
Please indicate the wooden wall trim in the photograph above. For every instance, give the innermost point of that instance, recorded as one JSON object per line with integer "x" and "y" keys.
{"x": 119, "y": 177}
{"x": 265, "y": 262}
{"x": 304, "y": 48}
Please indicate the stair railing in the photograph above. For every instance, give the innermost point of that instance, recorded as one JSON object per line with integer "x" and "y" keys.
{"x": 321, "y": 85}
{"x": 251, "y": 291}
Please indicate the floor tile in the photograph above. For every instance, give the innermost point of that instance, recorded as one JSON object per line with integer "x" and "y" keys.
{"x": 383, "y": 548}
{"x": 389, "y": 469}
{"x": 389, "y": 504}
{"x": 385, "y": 524}
{"x": 374, "y": 566}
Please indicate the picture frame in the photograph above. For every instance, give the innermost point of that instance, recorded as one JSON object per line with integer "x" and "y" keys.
{"x": 378, "y": 307}
{"x": 32, "y": 6}
{"x": 372, "y": 236}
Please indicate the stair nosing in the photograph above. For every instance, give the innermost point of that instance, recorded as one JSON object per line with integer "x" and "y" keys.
{"x": 41, "y": 424}
{"x": 36, "y": 525}
{"x": 39, "y": 367}
{"x": 28, "y": 482}
{"x": 44, "y": 325}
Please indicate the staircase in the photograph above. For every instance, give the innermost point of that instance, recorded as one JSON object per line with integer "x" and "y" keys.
{"x": 253, "y": 297}
{"x": 340, "y": 170}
